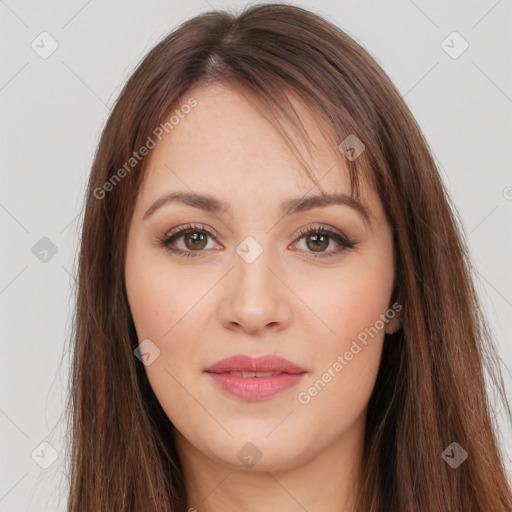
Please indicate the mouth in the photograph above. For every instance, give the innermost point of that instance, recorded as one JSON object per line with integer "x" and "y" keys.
{"x": 253, "y": 379}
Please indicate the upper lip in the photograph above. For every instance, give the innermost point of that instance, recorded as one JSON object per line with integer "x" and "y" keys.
{"x": 243, "y": 363}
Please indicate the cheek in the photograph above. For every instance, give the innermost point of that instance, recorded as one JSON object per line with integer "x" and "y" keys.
{"x": 358, "y": 308}
{"x": 153, "y": 310}
{"x": 165, "y": 304}
{"x": 347, "y": 355}
{"x": 346, "y": 363}
{"x": 157, "y": 298}
{"x": 353, "y": 305}
{"x": 161, "y": 308}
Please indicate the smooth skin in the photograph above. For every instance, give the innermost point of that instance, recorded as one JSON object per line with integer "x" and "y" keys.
{"x": 305, "y": 298}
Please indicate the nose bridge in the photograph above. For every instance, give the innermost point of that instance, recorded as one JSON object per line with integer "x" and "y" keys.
{"x": 255, "y": 298}
{"x": 254, "y": 280}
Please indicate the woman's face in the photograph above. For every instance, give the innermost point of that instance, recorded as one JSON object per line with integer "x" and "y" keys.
{"x": 254, "y": 276}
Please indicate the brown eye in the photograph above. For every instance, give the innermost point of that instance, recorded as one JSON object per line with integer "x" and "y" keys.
{"x": 195, "y": 240}
{"x": 188, "y": 241}
{"x": 317, "y": 242}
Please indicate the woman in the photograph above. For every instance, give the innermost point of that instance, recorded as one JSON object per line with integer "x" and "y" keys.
{"x": 268, "y": 337}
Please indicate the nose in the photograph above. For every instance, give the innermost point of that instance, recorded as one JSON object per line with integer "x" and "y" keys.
{"x": 255, "y": 297}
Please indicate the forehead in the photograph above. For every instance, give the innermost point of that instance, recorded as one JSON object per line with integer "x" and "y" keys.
{"x": 226, "y": 147}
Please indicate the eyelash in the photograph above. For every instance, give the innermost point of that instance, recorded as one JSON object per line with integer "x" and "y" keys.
{"x": 343, "y": 242}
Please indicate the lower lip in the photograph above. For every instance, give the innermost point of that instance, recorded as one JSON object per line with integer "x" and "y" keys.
{"x": 255, "y": 388}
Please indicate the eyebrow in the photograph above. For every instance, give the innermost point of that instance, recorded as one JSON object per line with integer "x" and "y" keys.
{"x": 288, "y": 207}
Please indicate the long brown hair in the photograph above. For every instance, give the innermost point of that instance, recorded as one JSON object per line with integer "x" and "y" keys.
{"x": 431, "y": 388}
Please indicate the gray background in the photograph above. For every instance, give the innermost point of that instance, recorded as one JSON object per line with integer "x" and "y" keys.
{"x": 53, "y": 110}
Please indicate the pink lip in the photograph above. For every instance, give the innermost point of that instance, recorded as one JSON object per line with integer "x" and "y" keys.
{"x": 255, "y": 388}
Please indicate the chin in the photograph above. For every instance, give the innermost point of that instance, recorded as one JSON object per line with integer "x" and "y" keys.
{"x": 259, "y": 453}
